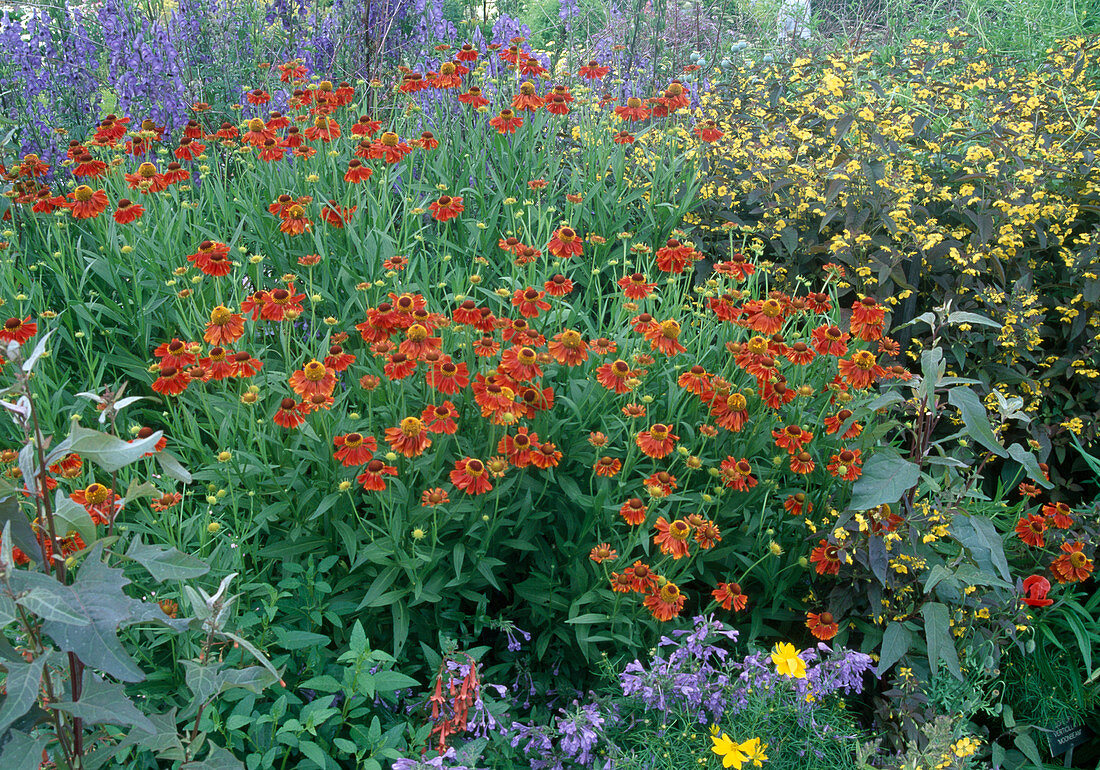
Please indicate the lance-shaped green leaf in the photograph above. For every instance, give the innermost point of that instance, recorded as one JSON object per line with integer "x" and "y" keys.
{"x": 253, "y": 651}
{"x": 941, "y": 644}
{"x": 963, "y": 317}
{"x": 885, "y": 478}
{"x": 139, "y": 489}
{"x": 1031, "y": 465}
{"x": 105, "y": 703}
{"x": 8, "y": 612}
{"x": 979, "y": 535}
{"x": 895, "y": 643}
{"x": 110, "y": 452}
{"x": 7, "y": 551}
{"x": 28, "y": 467}
{"x": 166, "y": 563}
{"x": 975, "y": 419}
{"x": 22, "y": 685}
{"x": 36, "y": 354}
{"x": 173, "y": 467}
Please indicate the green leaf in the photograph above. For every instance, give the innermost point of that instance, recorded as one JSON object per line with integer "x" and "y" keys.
{"x": 1031, "y": 465}
{"x": 928, "y": 319}
{"x": 358, "y": 643}
{"x": 8, "y": 613}
{"x": 97, "y": 595}
{"x": 217, "y": 759}
{"x": 980, "y": 536}
{"x": 932, "y": 369}
{"x": 22, "y": 686}
{"x": 962, "y": 317}
{"x": 7, "y": 550}
{"x": 323, "y": 683}
{"x": 377, "y": 591}
{"x": 299, "y": 640}
{"x": 255, "y": 653}
{"x": 884, "y": 400}
{"x": 166, "y": 563}
{"x": 941, "y": 644}
{"x": 976, "y": 419}
{"x": 470, "y": 752}
{"x": 936, "y": 575}
{"x": 207, "y": 681}
{"x": 885, "y": 478}
{"x": 878, "y": 558}
{"x": 163, "y": 738}
{"x": 172, "y": 467}
{"x": 1084, "y": 643}
{"x": 1026, "y": 744}
{"x": 140, "y": 489}
{"x": 392, "y": 681}
{"x": 588, "y": 618}
{"x": 400, "y": 626}
{"x": 50, "y": 601}
{"x": 39, "y": 349}
{"x": 485, "y": 567}
{"x": 22, "y": 752}
{"x": 895, "y": 643}
{"x": 22, "y": 536}
{"x": 73, "y": 517}
{"x": 110, "y": 452}
{"x": 314, "y": 753}
{"x": 105, "y": 703}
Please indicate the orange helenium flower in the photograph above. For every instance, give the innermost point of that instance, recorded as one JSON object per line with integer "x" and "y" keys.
{"x": 568, "y": 348}
{"x": 446, "y": 208}
{"x": 602, "y": 552}
{"x": 354, "y": 448}
{"x": 1030, "y": 530}
{"x": 225, "y": 327}
{"x": 312, "y": 380}
{"x": 729, "y": 595}
{"x": 666, "y": 602}
{"x": 87, "y": 203}
{"x": 658, "y": 441}
{"x": 373, "y": 476}
{"x": 411, "y": 438}
{"x": 823, "y": 626}
{"x": 506, "y": 122}
{"x": 672, "y": 536}
{"x": 18, "y": 331}
{"x": 565, "y": 243}
{"x": 1073, "y": 566}
{"x": 471, "y": 476}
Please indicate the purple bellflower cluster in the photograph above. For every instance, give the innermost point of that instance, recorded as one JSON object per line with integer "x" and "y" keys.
{"x": 699, "y": 676}
{"x": 574, "y": 737}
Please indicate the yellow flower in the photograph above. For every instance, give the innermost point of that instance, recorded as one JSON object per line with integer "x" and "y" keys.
{"x": 728, "y": 750}
{"x": 787, "y": 663}
{"x": 754, "y": 751}
{"x": 1074, "y": 424}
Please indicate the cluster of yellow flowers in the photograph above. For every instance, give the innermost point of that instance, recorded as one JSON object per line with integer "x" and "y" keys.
{"x": 737, "y": 755}
{"x": 878, "y": 168}
{"x": 960, "y": 749}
